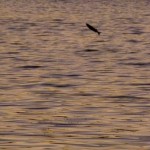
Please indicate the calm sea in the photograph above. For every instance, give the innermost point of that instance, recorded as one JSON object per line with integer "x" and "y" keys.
{"x": 63, "y": 87}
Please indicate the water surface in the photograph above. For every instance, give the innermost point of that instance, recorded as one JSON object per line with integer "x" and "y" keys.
{"x": 63, "y": 87}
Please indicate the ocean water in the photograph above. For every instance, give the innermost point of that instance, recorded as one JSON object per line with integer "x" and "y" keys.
{"x": 63, "y": 87}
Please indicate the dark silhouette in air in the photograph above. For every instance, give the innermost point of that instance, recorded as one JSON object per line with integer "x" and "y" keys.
{"x": 92, "y": 28}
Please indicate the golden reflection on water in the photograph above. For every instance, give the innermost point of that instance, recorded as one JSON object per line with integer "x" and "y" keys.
{"x": 64, "y": 87}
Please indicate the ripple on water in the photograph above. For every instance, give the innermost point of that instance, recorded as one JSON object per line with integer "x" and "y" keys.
{"x": 88, "y": 52}
{"x": 138, "y": 64}
{"x": 30, "y": 67}
{"x": 57, "y": 85}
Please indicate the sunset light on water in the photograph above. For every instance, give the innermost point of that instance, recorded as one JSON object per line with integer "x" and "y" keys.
{"x": 63, "y": 86}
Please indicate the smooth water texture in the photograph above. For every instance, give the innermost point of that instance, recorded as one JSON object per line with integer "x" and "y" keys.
{"x": 63, "y": 87}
